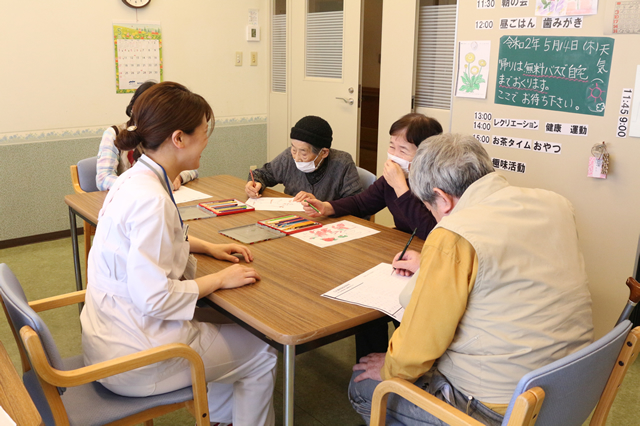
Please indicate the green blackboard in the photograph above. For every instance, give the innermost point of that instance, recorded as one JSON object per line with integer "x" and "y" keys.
{"x": 569, "y": 74}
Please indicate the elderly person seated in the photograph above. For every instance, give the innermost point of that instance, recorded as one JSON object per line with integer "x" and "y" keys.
{"x": 501, "y": 289}
{"x": 310, "y": 168}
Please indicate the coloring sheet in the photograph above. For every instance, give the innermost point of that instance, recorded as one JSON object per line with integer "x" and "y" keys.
{"x": 275, "y": 204}
{"x": 335, "y": 233}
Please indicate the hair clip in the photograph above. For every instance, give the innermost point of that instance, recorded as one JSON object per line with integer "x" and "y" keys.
{"x": 132, "y": 128}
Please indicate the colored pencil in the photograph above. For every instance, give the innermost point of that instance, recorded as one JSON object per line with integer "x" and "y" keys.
{"x": 312, "y": 206}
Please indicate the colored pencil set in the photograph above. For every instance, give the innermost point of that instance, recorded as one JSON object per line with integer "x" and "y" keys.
{"x": 223, "y": 207}
{"x": 290, "y": 224}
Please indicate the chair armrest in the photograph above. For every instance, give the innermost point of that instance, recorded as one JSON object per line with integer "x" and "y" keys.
{"x": 58, "y": 301}
{"x": 91, "y": 373}
{"x": 419, "y": 397}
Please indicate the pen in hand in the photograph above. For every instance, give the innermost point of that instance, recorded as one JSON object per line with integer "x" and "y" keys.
{"x": 314, "y": 207}
{"x": 405, "y": 248}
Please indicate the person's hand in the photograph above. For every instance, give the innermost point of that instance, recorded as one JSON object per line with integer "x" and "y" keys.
{"x": 324, "y": 207}
{"x": 372, "y": 365}
{"x": 253, "y": 189}
{"x": 225, "y": 251}
{"x": 237, "y": 276}
{"x": 177, "y": 182}
{"x": 409, "y": 263}
{"x": 394, "y": 175}
{"x": 301, "y": 196}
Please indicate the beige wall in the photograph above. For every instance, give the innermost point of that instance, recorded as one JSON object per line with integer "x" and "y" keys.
{"x": 606, "y": 210}
{"x": 58, "y": 93}
{"x": 62, "y": 72}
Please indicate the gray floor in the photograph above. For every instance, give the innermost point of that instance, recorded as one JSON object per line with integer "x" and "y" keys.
{"x": 46, "y": 269}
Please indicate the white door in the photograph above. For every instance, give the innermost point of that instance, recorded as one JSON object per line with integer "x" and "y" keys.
{"x": 325, "y": 56}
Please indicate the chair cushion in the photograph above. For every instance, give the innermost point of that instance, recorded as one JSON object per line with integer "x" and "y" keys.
{"x": 93, "y": 404}
{"x": 87, "y": 170}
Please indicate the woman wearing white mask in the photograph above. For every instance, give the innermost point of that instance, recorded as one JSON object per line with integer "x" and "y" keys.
{"x": 310, "y": 168}
{"x": 392, "y": 188}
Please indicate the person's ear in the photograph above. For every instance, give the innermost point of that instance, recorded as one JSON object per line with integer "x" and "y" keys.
{"x": 448, "y": 201}
{"x": 177, "y": 139}
{"x": 324, "y": 152}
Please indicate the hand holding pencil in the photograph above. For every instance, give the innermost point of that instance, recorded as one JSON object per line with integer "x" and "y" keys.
{"x": 252, "y": 188}
{"x": 316, "y": 208}
{"x": 407, "y": 262}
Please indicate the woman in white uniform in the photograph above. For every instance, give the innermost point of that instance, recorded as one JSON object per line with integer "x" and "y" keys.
{"x": 141, "y": 290}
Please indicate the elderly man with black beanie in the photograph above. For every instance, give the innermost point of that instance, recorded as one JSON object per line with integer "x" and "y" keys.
{"x": 309, "y": 168}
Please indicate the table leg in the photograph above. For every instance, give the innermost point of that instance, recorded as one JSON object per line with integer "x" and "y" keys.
{"x": 289, "y": 358}
{"x": 76, "y": 252}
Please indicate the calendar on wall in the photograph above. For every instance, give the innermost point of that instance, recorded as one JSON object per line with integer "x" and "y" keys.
{"x": 138, "y": 54}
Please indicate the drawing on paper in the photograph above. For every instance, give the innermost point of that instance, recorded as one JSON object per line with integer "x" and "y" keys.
{"x": 335, "y": 233}
{"x": 472, "y": 75}
{"x": 473, "y": 68}
{"x": 566, "y": 7}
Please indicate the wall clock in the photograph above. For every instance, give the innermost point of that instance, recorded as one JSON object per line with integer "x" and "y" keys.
{"x": 137, "y": 4}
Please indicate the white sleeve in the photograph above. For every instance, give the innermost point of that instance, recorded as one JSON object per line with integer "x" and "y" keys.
{"x": 154, "y": 229}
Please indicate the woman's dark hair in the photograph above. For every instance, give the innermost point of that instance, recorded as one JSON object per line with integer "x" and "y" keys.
{"x": 160, "y": 111}
{"x": 144, "y": 86}
{"x": 416, "y": 127}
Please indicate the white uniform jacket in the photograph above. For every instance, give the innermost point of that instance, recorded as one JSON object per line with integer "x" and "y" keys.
{"x": 135, "y": 297}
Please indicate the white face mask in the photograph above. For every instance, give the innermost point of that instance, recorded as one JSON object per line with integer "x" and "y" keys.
{"x": 404, "y": 164}
{"x": 308, "y": 166}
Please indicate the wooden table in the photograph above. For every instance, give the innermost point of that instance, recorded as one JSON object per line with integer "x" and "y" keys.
{"x": 285, "y": 308}
{"x": 14, "y": 398}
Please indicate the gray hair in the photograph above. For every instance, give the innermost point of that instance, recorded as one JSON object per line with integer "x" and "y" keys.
{"x": 450, "y": 162}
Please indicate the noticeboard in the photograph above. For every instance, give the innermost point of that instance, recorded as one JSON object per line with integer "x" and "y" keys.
{"x": 569, "y": 74}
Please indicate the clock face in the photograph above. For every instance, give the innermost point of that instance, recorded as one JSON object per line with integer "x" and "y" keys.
{"x": 136, "y": 3}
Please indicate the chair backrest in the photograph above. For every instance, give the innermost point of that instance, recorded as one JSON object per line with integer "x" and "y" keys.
{"x": 21, "y": 314}
{"x": 573, "y": 385}
{"x": 366, "y": 177}
{"x": 87, "y": 174}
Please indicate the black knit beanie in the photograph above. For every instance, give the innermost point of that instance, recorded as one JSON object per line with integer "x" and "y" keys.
{"x": 313, "y": 130}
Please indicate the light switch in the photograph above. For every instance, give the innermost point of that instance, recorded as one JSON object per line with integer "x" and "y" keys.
{"x": 254, "y": 59}
{"x": 238, "y": 59}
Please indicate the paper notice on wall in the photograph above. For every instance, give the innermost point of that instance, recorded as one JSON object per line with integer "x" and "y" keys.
{"x": 634, "y": 129}
{"x": 622, "y": 17}
{"x": 473, "y": 69}
{"x": 566, "y": 7}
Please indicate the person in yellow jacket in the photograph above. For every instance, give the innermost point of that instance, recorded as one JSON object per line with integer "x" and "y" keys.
{"x": 501, "y": 289}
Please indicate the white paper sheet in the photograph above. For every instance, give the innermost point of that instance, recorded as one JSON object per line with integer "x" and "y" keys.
{"x": 275, "y": 204}
{"x": 335, "y": 233}
{"x": 377, "y": 289}
{"x": 5, "y": 420}
{"x": 184, "y": 195}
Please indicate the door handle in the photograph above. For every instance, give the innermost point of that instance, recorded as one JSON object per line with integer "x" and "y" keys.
{"x": 349, "y": 101}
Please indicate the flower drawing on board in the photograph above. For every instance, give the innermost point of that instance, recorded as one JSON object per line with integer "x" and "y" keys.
{"x": 472, "y": 75}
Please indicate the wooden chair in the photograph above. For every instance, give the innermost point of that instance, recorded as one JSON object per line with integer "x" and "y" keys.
{"x": 83, "y": 178}
{"x": 66, "y": 392}
{"x": 570, "y": 388}
{"x": 14, "y": 398}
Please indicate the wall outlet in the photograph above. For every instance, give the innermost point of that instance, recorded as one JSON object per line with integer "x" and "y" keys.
{"x": 253, "y": 167}
{"x": 238, "y": 59}
{"x": 254, "y": 59}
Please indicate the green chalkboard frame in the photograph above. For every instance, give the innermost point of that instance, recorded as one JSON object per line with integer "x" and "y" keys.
{"x": 568, "y": 74}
